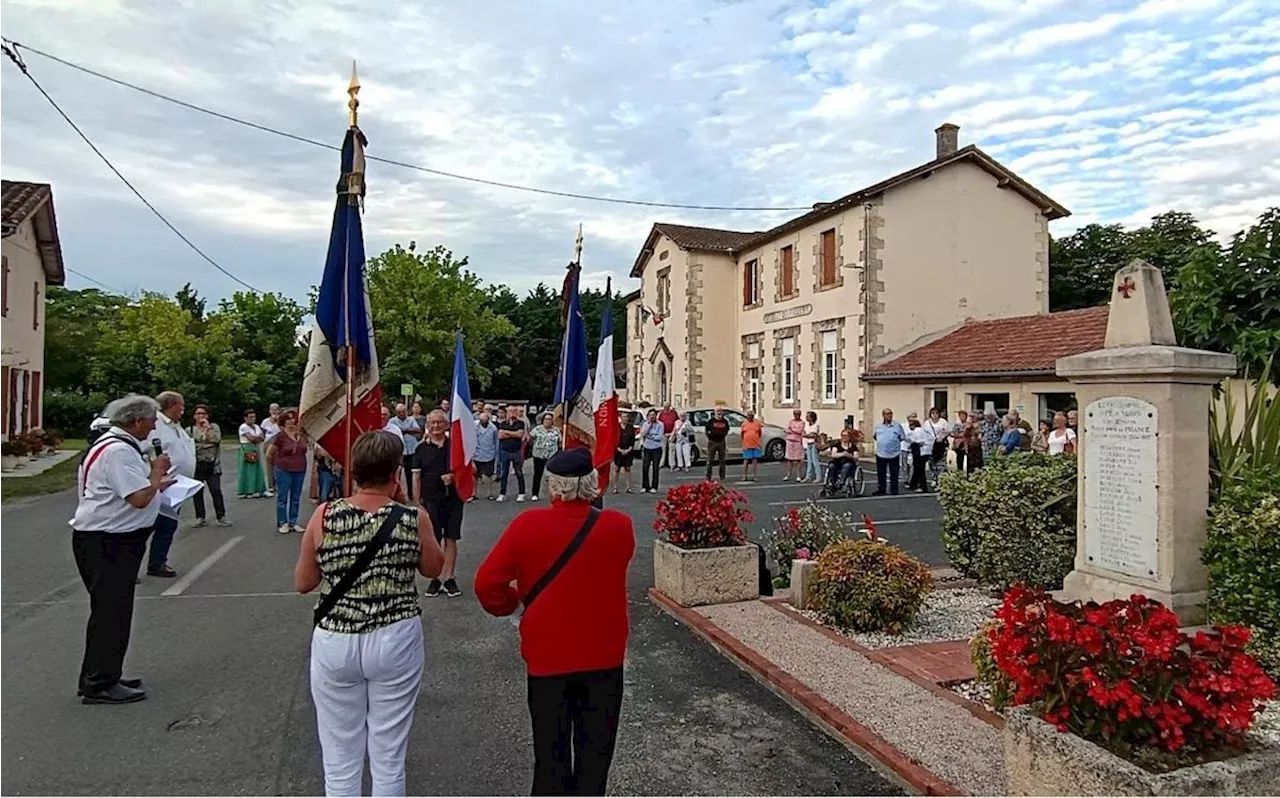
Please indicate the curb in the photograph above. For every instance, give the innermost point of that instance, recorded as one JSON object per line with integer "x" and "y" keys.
{"x": 863, "y": 742}
{"x": 875, "y": 655}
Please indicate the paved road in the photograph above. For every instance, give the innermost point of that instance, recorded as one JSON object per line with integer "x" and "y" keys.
{"x": 229, "y": 709}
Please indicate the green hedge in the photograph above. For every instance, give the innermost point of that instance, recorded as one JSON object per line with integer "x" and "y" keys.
{"x": 1012, "y": 521}
{"x": 1242, "y": 550}
{"x": 70, "y": 412}
{"x": 869, "y": 586}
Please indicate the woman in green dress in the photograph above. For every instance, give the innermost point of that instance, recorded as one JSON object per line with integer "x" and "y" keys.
{"x": 250, "y": 482}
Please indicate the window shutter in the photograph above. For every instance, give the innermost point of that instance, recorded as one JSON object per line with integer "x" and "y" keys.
{"x": 4, "y": 400}
{"x": 746, "y": 284}
{"x": 829, "y": 257}
{"x": 788, "y": 278}
{"x": 4, "y": 301}
{"x": 35, "y": 399}
{"x": 35, "y": 305}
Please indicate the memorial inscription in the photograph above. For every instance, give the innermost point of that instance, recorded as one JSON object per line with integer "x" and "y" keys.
{"x": 1120, "y": 486}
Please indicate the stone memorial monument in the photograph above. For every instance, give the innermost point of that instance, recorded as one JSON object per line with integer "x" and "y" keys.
{"x": 1143, "y": 451}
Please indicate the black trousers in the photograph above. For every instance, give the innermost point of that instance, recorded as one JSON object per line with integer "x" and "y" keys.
{"x": 575, "y": 725}
{"x": 887, "y": 466}
{"x": 960, "y": 460}
{"x": 539, "y": 467}
{"x": 108, "y": 565}
{"x": 407, "y": 465}
{"x": 918, "y": 460}
{"x": 716, "y": 451}
{"x": 208, "y": 474}
{"x": 650, "y": 460}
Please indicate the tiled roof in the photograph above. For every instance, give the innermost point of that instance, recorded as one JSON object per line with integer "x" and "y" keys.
{"x": 705, "y": 238}
{"x": 1017, "y": 345}
{"x": 21, "y": 200}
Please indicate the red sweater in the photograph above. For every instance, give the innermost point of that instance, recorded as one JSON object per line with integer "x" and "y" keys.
{"x": 579, "y": 623}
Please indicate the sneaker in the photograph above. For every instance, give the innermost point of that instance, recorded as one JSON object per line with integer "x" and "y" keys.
{"x": 520, "y": 498}
{"x": 268, "y": 493}
{"x": 298, "y": 529}
{"x": 283, "y": 529}
{"x": 787, "y": 478}
{"x": 222, "y": 522}
{"x": 533, "y": 498}
{"x": 502, "y": 497}
{"x": 451, "y": 588}
{"x": 433, "y": 588}
{"x": 199, "y": 523}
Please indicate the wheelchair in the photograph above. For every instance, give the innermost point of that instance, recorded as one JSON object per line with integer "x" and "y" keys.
{"x": 853, "y": 486}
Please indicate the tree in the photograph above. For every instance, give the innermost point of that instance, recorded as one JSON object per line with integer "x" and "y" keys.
{"x": 72, "y": 321}
{"x": 1228, "y": 300}
{"x": 264, "y": 329}
{"x": 420, "y": 301}
{"x": 1169, "y": 242}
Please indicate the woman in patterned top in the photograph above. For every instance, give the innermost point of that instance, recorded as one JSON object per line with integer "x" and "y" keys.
{"x": 367, "y": 652}
{"x": 546, "y": 442}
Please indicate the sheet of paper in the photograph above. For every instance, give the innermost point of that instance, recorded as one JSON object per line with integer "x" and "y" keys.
{"x": 181, "y": 490}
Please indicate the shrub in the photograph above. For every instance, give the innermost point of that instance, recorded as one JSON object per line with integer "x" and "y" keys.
{"x": 1252, "y": 444}
{"x": 869, "y": 586}
{"x": 1242, "y": 550}
{"x": 984, "y": 663}
{"x": 703, "y": 515}
{"x": 806, "y": 530}
{"x": 1123, "y": 675}
{"x": 1012, "y": 521}
{"x": 70, "y": 412}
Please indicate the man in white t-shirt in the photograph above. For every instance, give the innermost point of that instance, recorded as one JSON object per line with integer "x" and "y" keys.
{"x": 172, "y": 440}
{"x": 270, "y": 428}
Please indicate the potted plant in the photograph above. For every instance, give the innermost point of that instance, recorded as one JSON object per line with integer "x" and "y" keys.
{"x": 51, "y": 440}
{"x": 1115, "y": 699}
{"x": 10, "y": 451}
{"x": 702, "y": 555}
{"x": 33, "y": 440}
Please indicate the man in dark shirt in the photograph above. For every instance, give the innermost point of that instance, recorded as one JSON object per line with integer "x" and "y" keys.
{"x": 511, "y": 434}
{"x": 717, "y": 430}
{"x": 433, "y": 485}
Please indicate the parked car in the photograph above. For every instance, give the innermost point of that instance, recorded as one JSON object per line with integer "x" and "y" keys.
{"x": 773, "y": 439}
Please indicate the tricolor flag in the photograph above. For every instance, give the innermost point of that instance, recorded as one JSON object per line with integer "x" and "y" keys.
{"x": 462, "y": 429}
{"x": 573, "y": 384}
{"x": 343, "y": 324}
{"x": 605, "y": 397}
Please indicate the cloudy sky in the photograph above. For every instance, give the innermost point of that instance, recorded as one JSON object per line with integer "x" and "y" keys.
{"x": 1116, "y": 109}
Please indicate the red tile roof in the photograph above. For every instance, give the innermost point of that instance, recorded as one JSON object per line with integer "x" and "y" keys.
{"x": 705, "y": 238}
{"x": 21, "y": 200}
{"x": 1019, "y": 345}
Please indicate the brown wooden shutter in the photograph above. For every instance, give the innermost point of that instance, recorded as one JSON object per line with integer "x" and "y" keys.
{"x": 829, "y": 257}
{"x": 4, "y": 301}
{"x": 35, "y": 306}
{"x": 788, "y": 277}
{"x": 4, "y": 400}
{"x": 35, "y": 399}
{"x": 746, "y": 284}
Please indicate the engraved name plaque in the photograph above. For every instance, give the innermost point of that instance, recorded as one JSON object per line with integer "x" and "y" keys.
{"x": 1120, "y": 486}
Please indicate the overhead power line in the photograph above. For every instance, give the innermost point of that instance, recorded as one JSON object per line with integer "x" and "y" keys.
{"x": 390, "y": 161}
{"x": 10, "y": 49}
{"x": 95, "y": 281}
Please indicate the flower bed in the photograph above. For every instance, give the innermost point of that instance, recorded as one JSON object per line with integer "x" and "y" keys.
{"x": 949, "y": 614}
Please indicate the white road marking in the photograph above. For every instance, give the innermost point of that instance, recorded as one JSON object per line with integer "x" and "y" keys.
{"x": 191, "y": 576}
{"x": 861, "y": 499}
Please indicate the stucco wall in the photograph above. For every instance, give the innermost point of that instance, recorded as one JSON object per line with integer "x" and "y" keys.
{"x": 717, "y": 372}
{"x": 905, "y": 397}
{"x": 23, "y": 346}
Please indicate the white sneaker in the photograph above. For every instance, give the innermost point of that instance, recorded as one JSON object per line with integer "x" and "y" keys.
{"x": 533, "y": 498}
{"x": 787, "y": 478}
{"x": 268, "y": 493}
{"x": 520, "y": 498}
{"x": 199, "y": 522}
{"x": 502, "y": 497}
{"x": 284, "y": 529}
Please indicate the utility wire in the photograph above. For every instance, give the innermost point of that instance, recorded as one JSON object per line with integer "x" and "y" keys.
{"x": 95, "y": 281}
{"x": 10, "y": 50}
{"x": 392, "y": 162}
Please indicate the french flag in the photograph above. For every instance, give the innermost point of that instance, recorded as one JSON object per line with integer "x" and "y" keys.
{"x": 462, "y": 429}
{"x": 604, "y": 401}
{"x": 573, "y": 383}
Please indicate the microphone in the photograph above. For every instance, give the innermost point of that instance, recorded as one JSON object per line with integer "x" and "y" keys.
{"x": 155, "y": 446}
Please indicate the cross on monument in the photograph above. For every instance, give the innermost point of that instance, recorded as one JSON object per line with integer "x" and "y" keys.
{"x": 1126, "y": 287}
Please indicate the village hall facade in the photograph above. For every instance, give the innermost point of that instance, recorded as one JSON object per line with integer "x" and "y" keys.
{"x": 796, "y": 316}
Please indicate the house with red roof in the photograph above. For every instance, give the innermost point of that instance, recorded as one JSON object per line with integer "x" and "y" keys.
{"x": 32, "y": 262}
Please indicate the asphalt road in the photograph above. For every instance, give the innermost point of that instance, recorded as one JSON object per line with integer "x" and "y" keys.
{"x": 224, "y": 657}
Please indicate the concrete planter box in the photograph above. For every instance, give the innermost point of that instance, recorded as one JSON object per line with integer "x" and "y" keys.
{"x": 1040, "y": 760}
{"x": 803, "y": 575}
{"x": 693, "y": 577}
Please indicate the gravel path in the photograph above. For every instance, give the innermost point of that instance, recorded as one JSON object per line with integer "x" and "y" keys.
{"x": 940, "y": 735}
{"x": 952, "y": 614}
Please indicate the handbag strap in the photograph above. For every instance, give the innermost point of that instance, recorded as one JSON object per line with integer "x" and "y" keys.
{"x": 361, "y": 564}
{"x": 556, "y": 567}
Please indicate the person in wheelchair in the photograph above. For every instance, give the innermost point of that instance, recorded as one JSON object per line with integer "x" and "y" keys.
{"x": 844, "y": 459}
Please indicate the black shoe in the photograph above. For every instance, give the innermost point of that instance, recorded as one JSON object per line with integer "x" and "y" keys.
{"x": 115, "y": 694}
{"x": 878, "y": 493}
{"x": 164, "y": 571}
{"x": 433, "y": 588}
{"x": 133, "y": 684}
{"x": 451, "y": 588}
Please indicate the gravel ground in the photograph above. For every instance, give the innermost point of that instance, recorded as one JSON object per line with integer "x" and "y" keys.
{"x": 940, "y": 735}
{"x": 974, "y": 690}
{"x": 946, "y": 615}
{"x": 1267, "y": 725}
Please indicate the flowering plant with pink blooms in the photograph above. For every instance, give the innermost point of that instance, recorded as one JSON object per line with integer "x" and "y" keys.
{"x": 803, "y": 533}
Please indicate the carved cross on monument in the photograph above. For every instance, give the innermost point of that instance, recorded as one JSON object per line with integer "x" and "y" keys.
{"x": 1127, "y": 287}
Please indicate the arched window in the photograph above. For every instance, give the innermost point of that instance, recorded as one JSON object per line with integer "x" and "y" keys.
{"x": 663, "y": 384}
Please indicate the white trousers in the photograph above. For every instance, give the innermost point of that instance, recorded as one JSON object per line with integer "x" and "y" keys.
{"x": 684, "y": 453}
{"x": 365, "y": 687}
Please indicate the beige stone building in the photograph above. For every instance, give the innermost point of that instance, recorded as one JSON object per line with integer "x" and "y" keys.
{"x": 32, "y": 262}
{"x": 791, "y": 317}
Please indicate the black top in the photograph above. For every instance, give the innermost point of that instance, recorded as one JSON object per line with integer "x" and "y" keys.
{"x": 432, "y": 462}
{"x": 717, "y": 429}
{"x": 627, "y": 438}
{"x": 511, "y": 444}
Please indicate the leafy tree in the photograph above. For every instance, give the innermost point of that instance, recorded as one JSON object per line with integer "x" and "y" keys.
{"x": 1169, "y": 242}
{"x": 420, "y": 301}
{"x": 264, "y": 329}
{"x": 71, "y": 333}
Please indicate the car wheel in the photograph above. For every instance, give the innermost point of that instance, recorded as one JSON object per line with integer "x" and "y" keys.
{"x": 776, "y": 450}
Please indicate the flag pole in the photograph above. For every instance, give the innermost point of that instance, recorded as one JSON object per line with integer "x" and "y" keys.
{"x": 353, "y": 104}
{"x": 564, "y": 346}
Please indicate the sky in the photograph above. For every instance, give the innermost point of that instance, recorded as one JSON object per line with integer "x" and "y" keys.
{"x": 1117, "y": 110}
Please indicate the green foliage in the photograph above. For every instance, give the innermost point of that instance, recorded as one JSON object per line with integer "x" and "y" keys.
{"x": 1012, "y": 521}
{"x": 984, "y": 663}
{"x": 869, "y": 586}
{"x": 70, "y": 412}
{"x": 1242, "y": 551}
{"x": 71, "y": 334}
{"x": 808, "y": 530}
{"x": 1255, "y": 446}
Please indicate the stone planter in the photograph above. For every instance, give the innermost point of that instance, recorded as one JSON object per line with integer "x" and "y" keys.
{"x": 693, "y": 577}
{"x": 10, "y": 462}
{"x": 803, "y": 574}
{"x": 1040, "y": 760}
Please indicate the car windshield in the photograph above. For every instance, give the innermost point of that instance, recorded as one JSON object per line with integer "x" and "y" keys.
{"x": 735, "y": 419}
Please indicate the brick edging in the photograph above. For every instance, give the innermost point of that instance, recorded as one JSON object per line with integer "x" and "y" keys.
{"x": 830, "y": 717}
{"x": 875, "y": 655}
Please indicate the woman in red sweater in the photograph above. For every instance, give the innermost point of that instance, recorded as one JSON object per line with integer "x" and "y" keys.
{"x": 567, "y": 564}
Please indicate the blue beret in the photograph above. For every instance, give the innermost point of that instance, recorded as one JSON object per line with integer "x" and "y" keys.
{"x": 574, "y": 462}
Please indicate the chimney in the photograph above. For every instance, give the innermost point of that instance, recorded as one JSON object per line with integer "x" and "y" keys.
{"x": 948, "y": 139}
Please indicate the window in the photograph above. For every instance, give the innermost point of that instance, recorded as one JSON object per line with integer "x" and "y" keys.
{"x": 828, "y": 255}
{"x": 753, "y": 389}
{"x": 663, "y": 383}
{"x": 750, "y": 283}
{"x": 999, "y": 401}
{"x": 830, "y": 365}
{"x": 35, "y": 305}
{"x": 753, "y": 350}
{"x": 699, "y": 418}
{"x": 1051, "y": 403}
{"x": 664, "y": 294}
{"x": 4, "y": 302}
{"x": 787, "y": 262}
{"x": 939, "y": 400}
{"x": 639, "y": 323}
{"x": 788, "y": 370}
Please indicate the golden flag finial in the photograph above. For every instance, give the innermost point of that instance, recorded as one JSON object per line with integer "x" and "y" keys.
{"x": 353, "y": 88}
{"x": 577, "y": 247}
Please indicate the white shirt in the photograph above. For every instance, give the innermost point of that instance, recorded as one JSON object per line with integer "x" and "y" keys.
{"x": 118, "y": 470}
{"x": 270, "y": 428}
{"x": 175, "y": 442}
{"x": 1058, "y": 440}
{"x": 811, "y": 429}
{"x": 940, "y": 429}
{"x": 394, "y": 429}
{"x": 249, "y": 429}
{"x": 922, "y": 436}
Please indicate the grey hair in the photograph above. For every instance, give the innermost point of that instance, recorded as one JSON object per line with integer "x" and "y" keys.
{"x": 571, "y": 489}
{"x": 437, "y": 412}
{"x": 130, "y": 409}
{"x": 168, "y": 399}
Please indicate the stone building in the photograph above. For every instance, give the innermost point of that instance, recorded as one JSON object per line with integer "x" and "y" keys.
{"x": 791, "y": 317}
